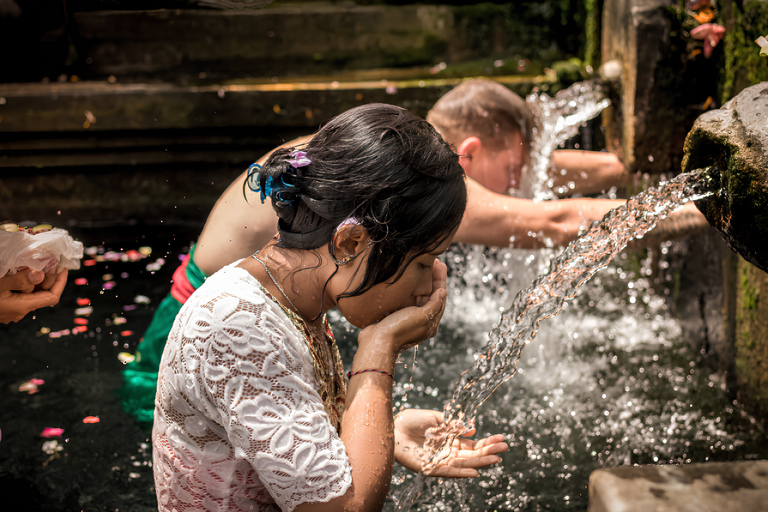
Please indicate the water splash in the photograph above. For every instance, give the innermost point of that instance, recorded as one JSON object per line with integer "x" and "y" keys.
{"x": 544, "y": 299}
{"x": 559, "y": 119}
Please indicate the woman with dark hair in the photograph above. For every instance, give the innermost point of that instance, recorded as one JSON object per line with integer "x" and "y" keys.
{"x": 252, "y": 409}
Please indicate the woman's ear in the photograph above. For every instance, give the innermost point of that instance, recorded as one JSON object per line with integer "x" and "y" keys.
{"x": 349, "y": 241}
{"x": 466, "y": 150}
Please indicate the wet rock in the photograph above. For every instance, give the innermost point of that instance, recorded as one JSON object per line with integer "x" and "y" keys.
{"x": 734, "y": 138}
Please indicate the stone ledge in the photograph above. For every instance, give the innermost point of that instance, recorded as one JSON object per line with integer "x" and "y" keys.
{"x": 704, "y": 487}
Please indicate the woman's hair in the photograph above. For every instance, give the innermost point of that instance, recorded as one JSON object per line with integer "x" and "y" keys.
{"x": 484, "y": 109}
{"x": 384, "y": 167}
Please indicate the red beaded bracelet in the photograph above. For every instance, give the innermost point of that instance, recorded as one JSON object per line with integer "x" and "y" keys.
{"x": 350, "y": 374}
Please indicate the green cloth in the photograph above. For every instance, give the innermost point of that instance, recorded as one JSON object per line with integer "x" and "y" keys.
{"x": 140, "y": 376}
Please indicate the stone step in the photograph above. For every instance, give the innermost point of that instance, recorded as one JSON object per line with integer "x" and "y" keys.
{"x": 92, "y": 123}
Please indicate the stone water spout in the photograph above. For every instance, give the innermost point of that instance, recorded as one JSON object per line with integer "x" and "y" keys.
{"x": 734, "y": 139}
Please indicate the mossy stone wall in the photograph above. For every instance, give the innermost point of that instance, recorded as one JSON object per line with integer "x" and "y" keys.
{"x": 741, "y": 67}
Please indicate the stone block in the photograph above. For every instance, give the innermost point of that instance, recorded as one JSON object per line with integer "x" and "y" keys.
{"x": 708, "y": 487}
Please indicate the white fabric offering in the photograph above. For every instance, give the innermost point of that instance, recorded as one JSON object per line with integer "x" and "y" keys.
{"x": 42, "y": 251}
{"x": 239, "y": 424}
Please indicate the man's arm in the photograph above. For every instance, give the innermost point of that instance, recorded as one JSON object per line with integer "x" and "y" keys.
{"x": 502, "y": 221}
{"x": 588, "y": 172}
{"x": 237, "y": 227}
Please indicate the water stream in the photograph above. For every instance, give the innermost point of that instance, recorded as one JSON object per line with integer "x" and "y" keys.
{"x": 545, "y": 298}
{"x": 613, "y": 382}
{"x": 558, "y": 119}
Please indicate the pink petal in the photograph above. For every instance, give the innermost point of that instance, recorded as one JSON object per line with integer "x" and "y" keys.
{"x": 91, "y": 419}
{"x": 49, "y": 432}
{"x": 37, "y": 382}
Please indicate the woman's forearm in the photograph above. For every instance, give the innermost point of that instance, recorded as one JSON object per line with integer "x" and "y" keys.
{"x": 367, "y": 431}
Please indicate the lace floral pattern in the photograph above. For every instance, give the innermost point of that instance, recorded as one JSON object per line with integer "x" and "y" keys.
{"x": 239, "y": 424}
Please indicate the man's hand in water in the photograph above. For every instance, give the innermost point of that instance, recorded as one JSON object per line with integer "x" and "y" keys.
{"x": 28, "y": 290}
{"x": 466, "y": 455}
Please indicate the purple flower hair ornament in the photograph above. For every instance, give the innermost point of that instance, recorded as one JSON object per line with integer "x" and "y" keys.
{"x": 299, "y": 159}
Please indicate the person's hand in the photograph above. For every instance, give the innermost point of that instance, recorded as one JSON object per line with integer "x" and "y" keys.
{"x": 26, "y": 291}
{"x": 410, "y": 326}
{"x": 466, "y": 455}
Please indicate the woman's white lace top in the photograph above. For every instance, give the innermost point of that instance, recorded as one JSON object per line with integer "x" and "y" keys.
{"x": 239, "y": 424}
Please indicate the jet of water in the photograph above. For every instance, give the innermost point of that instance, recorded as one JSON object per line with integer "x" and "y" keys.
{"x": 545, "y": 298}
{"x": 558, "y": 119}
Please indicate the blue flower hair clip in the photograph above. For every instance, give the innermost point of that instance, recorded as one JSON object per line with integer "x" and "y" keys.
{"x": 273, "y": 188}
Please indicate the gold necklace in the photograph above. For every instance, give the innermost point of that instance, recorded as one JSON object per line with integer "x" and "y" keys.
{"x": 295, "y": 309}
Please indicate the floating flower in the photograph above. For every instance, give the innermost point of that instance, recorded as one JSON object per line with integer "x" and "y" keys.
{"x": 126, "y": 333}
{"x": 82, "y": 301}
{"x": 51, "y": 447}
{"x": 126, "y": 358}
{"x": 91, "y": 419}
{"x": 28, "y": 387}
{"x": 81, "y": 281}
{"x": 31, "y": 385}
{"x": 87, "y": 310}
{"x": 142, "y": 299}
{"x": 89, "y": 263}
{"x": 711, "y": 34}
{"x": 132, "y": 255}
{"x": 112, "y": 256}
{"x": 81, "y": 321}
{"x": 49, "y": 432}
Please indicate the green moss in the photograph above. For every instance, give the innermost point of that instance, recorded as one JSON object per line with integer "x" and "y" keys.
{"x": 750, "y": 296}
{"x": 591, "y": 32}
{"x": 743, "y": 65}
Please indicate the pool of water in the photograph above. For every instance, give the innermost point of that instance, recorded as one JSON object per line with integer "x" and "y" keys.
{"x": 104, "y": 465}
{"x": 610, "y": 380}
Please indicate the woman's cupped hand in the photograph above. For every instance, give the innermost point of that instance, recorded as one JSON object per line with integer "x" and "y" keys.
{"x": 409, "y": 326}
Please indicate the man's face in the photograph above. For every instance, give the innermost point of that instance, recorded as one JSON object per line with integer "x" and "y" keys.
{"x": 498, "y": 171}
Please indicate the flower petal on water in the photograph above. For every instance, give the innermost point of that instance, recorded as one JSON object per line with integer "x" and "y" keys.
{"x": 51, "y": 447}
{"x": 49, "y": 432}
{"x": 126, "y": 357}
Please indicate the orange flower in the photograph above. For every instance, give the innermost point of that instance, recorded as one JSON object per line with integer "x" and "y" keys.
{"x": 705, "y": 15}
